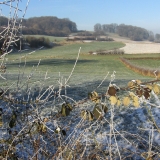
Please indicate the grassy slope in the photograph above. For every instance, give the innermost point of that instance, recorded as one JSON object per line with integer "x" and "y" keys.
{"x": 62, "y": 59}
{"x": 147, "y": 63}
{"x": 150, "y": 63}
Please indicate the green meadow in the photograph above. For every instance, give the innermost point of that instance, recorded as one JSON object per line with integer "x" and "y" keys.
{"x": 147, "y": 63}
{"x": 48, "y": 65}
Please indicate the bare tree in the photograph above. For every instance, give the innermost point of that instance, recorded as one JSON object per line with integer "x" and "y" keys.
{"x": 97, "y": 27}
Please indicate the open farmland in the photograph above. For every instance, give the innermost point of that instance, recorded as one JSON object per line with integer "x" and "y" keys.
{"x": 62, "y": 58}
{"x": 142, "y": 47}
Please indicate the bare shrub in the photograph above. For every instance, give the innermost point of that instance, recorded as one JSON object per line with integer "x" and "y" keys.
{"x": 38, "y": 122}
{"x": 113, "y": 52}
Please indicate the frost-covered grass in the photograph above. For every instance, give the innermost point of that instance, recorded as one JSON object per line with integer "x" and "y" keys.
{"x": 122, "y": 133}
{"x": 61, "y": 59}
{"x": 35, "y": 128}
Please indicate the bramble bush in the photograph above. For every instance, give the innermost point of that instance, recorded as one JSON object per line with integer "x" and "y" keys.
{"x": 46, "y": 122}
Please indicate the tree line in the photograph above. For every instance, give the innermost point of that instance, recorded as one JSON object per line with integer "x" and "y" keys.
{"x": 45, "y": 25}
{"x": 27, "y": 42}
{"x": 133, "y": 32}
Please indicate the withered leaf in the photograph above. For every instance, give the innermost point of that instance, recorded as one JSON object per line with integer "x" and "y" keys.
{"x": 90, "y": 116}
{"x": 105, "y": 108}
{"x": 136, "y": 104}
{"x": 113, "y": 100}
{"x": 93, "y": 96}
{"x": 118, "y": 102}
{"x": 139, "y": 92}
{"x": 84, "y": 114}
{"x": 126, "y": 101}
{"x": 66, "y": 108}
{"x": 149, "y": 86}
{"x": 97, "y": 112}
{"x": 131, "y": 85}
{"x": 156, "y": 89}
{"x": 138, "y": 81}
{"x": 112, "y": 91}
{"x": 146, "y": 94}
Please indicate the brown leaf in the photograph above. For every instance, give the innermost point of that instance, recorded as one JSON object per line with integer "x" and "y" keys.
{"x": 146, "y": 94}
{"x": 97, "y": 112}
{"x": 112, "y": 91}
{"x": 139, "y": 92}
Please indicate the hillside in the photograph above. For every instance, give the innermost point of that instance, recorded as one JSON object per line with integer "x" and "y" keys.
{"x": 46, "y": 25}
{"x": 136, "y": 47}
{"x": 134, "y": 33}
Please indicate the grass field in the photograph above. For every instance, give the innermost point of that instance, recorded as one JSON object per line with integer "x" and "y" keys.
{"x": 61, "y": 59}
{"x": 149, "y": 63}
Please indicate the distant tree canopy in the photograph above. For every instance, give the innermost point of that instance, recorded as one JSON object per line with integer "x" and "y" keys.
{"x": 132, "y": 32}
{"x": 47, "y": 25}
{"x": 157, "y": 38}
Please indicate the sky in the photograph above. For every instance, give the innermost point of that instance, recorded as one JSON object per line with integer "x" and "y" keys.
{"x": 86, "y": 13}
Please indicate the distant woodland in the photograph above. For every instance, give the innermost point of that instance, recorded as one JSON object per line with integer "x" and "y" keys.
{"x": 47, "y": 25}
{"x": 53, "y": 26}
{"x": 133, "y": 32}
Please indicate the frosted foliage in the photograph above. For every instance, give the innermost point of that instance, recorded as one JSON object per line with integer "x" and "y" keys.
{"x": 60, "y": 121}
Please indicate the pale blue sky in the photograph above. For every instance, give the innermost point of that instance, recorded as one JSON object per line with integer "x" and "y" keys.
{"x": 86, "y": 13}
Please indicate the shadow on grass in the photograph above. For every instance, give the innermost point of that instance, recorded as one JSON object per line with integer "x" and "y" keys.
{"x": 50, "y": 62}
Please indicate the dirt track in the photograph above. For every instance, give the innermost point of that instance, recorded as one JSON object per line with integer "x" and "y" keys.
{"x": 133, "y": 47}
